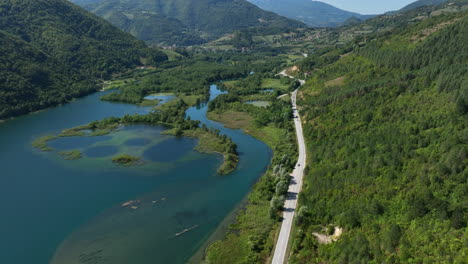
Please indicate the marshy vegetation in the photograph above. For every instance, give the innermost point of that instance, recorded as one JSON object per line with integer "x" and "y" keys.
{"x": 251, "y": 238}
{"x": 126, "y": 160}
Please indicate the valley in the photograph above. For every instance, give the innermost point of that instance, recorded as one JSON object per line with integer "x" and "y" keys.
{"x": 216, "y": 131}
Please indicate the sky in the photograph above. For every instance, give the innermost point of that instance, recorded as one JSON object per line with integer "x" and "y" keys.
{"x": 369, "y": 6}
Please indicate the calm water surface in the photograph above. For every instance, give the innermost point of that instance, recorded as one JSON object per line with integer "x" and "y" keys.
{"x": 57, "y": 211}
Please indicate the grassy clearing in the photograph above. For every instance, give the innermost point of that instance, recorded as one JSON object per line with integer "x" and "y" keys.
{"x": 71, "y": 155}
{"x": 116, "y": 84}
{"x": 172, "y": 55}
{"x": 230, "y": 84}
{"x": 340, "y": 81}
{"x": 271, "y": 83}
{"x": 231, "y": 119}
{"x": 241, "y": 120}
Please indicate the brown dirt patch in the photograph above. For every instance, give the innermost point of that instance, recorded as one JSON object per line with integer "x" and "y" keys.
{"x": 335, "y": 82}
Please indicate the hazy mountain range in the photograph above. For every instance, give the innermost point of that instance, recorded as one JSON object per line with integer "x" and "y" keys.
{"x": 313, "y": 13}
{"x": 422, "y": 3}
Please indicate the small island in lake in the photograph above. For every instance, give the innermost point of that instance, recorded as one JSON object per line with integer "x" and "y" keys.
{"x": 126, "y": 160}
{"x": 71, "y": 155}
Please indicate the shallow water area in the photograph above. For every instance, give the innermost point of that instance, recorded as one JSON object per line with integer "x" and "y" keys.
{"x": 267, "y": 90}
{"x": 93, "y": 211}
{"x": 162, "y": 97}
{"x": 259, "y": 103}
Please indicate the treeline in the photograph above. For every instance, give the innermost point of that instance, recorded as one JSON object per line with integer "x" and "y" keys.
{"x": 53, "y": 51}
{"x": 228, "y": 149}
{"x": 386, "y": 129}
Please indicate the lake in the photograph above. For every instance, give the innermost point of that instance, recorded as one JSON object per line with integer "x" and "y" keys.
{"x": 92, "y": 211}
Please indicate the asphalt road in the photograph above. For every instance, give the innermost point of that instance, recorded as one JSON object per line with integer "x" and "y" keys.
{"x": 295, "y": 186}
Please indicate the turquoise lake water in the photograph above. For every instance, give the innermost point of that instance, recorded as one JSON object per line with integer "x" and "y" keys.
{"x": 59, "y": 211}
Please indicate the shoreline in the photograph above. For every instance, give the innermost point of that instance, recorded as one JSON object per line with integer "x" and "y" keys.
{"x": 223, "y": 229}
{"x": 50, "y": 106}
{"x": 220, "y": 231}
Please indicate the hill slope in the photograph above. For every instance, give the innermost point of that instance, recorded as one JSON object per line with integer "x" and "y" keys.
{"x": 53, "y": 51}
{"x": 420, "y": 3}
{"x": 184, "y": 22}
{"x": 387, "y": 133}
{"x": 313, "y": 13}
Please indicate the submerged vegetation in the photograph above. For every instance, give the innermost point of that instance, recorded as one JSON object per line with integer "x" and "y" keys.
{"x": 171, "y": 114}
{"x": 41, "y": 142}
{"x": 71, "y": 155}
{"x": 126, "y": 160}
{"x": 211, "y": 141}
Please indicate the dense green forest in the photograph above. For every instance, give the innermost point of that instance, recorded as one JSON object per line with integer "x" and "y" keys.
{"x": 420, "y": 3}
{"x": 193, "y": 74}
{"x": 386, "y": 129}
{"x": 53, "y": 51}
{"x": 184, "y": 22}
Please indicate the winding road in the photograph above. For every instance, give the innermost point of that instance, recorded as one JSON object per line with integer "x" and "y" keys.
{"x": 295, "y": 186}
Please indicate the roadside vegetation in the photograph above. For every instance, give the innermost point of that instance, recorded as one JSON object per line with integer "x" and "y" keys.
{"x": 250, "y": 239}
{"x": 386, "y": 129}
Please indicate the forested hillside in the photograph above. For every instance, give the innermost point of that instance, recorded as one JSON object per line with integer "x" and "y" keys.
{"x": 386, "y": 124}
{"x": 422, "y": 3}
{"x": 184, "y": 22}
{"x": 313, "y": 13}
{"x": 52, "y": 51}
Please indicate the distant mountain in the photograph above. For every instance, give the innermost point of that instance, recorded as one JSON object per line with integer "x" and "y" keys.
{"x": 313, "y": 13}
{"x": 422, "y": 3}
{"x": 184, "y": 22}
{"x": 52, "y": 51}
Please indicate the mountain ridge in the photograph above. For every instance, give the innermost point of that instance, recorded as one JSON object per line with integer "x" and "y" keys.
{"x": 313, "y": 13}
{"x": 421, "y": 3}
{"x": 54, "y": 51}
{"x": 193, "y": 21}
